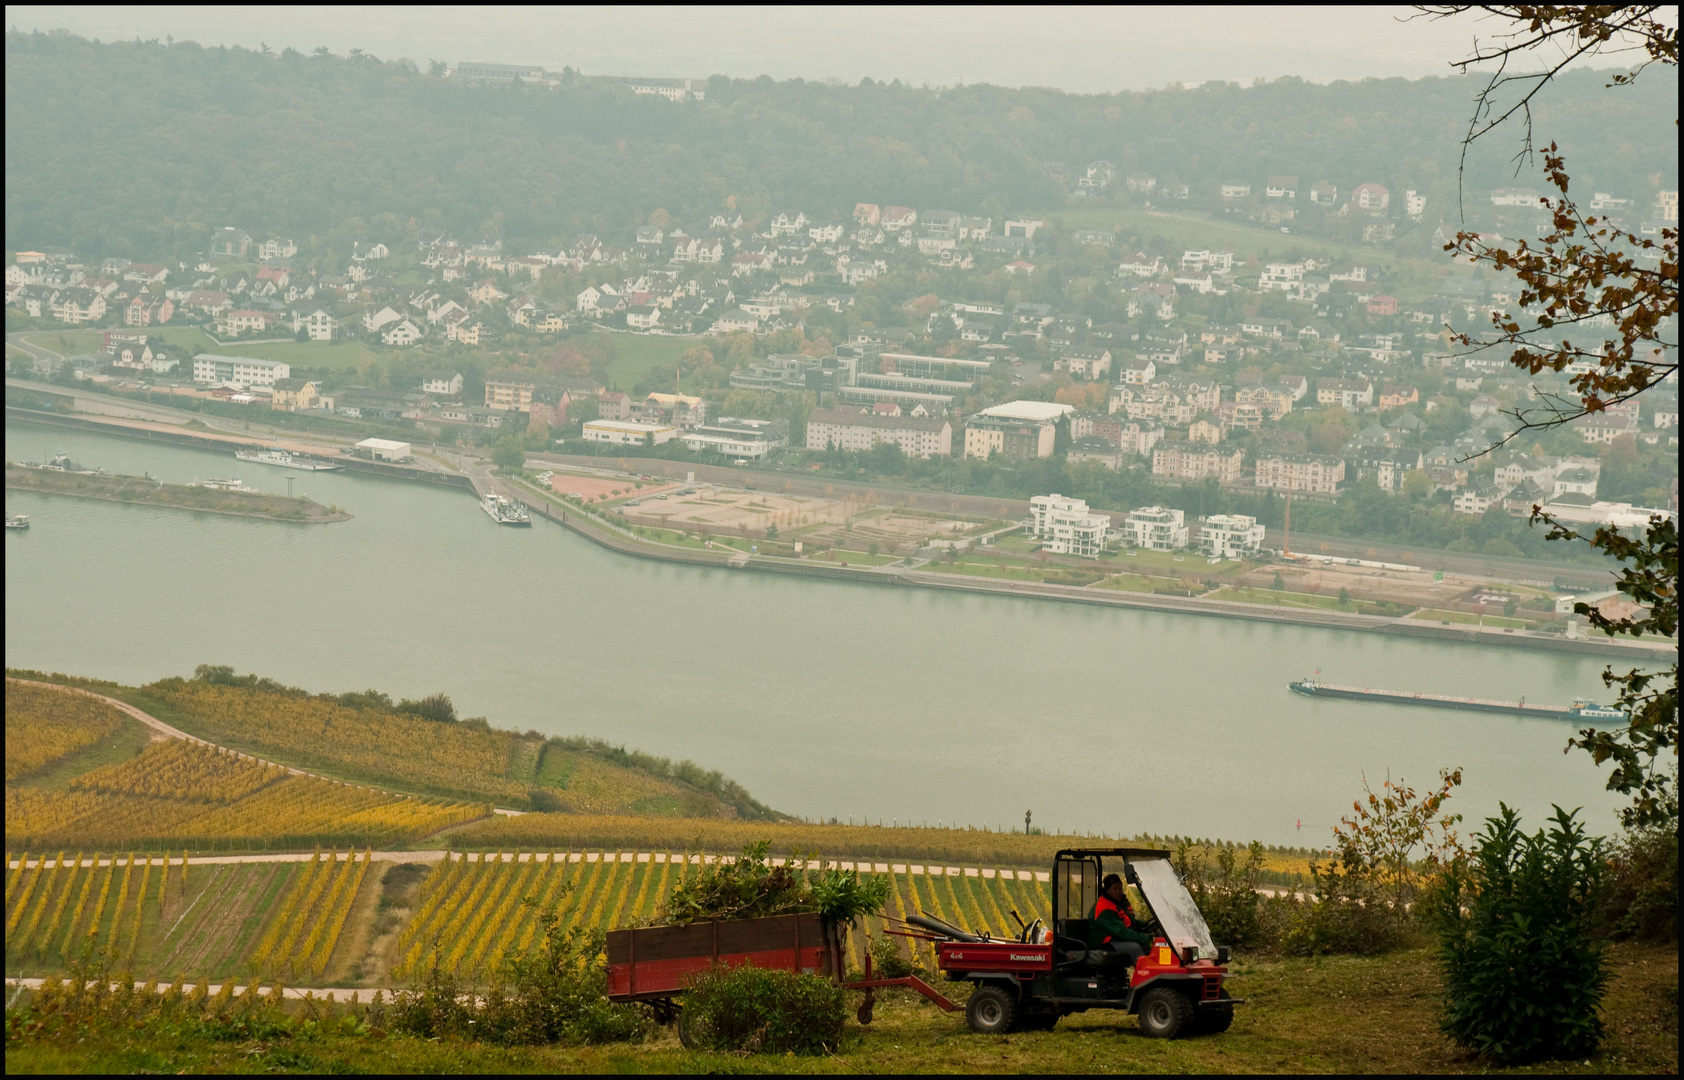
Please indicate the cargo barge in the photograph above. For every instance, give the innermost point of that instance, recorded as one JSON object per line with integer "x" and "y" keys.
{"x": 1581, "y": 709}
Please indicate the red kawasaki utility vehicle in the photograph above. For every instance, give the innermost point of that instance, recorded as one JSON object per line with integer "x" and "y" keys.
{"x": 1027, "y": 983}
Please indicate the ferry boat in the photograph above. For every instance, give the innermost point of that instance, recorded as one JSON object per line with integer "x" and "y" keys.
{"x": 1581, "y": 709}
{"x": 286, "y": 459}
{"x": 504, "y": 511}
{"x": 17, "y": 521}
{"x": 232, "y": 483}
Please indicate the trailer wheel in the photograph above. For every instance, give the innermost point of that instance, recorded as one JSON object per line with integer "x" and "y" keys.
{"x": 1166, "y": 1013}
{"x": 692, "y": 1030}
{"x": 1215, "y": 1019}
{"x": 991, "y": 1011}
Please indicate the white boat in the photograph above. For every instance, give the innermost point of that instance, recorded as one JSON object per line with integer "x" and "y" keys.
{"x": 504, "y": 511}
{"x": 17, "y": 521}
{"x": 232, "y": 483}
{"x": 286, "y": 459}
{"x": 61, "y": 462}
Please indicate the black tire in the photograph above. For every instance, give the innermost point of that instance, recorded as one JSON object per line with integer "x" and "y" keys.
{"x": 692, "y": 1030}
{"x": 992, "y": 1011}
{"x": 1215, "y": 1019}
{"x": 1166, "y": 1013}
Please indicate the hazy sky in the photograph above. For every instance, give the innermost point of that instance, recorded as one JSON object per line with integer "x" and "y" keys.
{"x": 1078, "y": 49}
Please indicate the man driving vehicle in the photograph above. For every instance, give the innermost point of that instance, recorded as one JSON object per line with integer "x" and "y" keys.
{"x": 1111, "y": 925}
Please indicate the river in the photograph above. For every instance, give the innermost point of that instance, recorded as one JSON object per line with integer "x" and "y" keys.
{"x": 822, "y": 698}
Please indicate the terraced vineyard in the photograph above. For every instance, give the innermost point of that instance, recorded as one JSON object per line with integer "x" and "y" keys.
{"x": 471, "y": 915}
{"x": 313, "y": 921}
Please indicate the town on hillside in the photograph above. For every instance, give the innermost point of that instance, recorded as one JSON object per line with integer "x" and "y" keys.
{"x": 824, "y": 332}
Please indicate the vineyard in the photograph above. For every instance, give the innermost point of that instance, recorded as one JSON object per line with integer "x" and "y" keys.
{"x": 300, "y": 940}
{"x": 56, "y": 910}
{"x": 178, "y": 794}
{"x": 320, "y": 733}
{"x": 971, "y": 847}
{"x": 43, "y": 725}
{"x": 471, "y": 913}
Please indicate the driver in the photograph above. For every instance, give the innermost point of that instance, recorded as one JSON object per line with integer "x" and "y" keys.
{"x": 1111, "y": 925}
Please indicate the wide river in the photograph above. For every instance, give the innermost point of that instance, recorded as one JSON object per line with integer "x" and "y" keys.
{"x": 823, "y": 699}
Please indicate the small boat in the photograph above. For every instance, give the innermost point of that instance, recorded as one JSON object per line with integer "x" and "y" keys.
{"x": 505, "y": 511}
{"x": 62, "y": 463}
{"x": 286, "y": 459}
{"x": 232, "y": 483}
{"x": 17, "y": 521}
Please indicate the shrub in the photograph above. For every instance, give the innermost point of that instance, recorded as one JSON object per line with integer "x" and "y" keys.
{"x": 886, "y": 960}
{"x": 1642, "y": 898}
{"x": 763, "y": 1011}
{"x": 1227, "y": 898}
{"x": 1522, "y": 976}
{"x": 556, "y": 993}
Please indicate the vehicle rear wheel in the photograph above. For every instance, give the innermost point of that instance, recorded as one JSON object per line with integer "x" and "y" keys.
{"x": 1166, "y": 1013}
{"x": 991, "y": 1011}
{"x": 1215, "y": 1019}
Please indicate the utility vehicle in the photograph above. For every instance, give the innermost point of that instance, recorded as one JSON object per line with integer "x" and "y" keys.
{"x": 1028, "y": 982}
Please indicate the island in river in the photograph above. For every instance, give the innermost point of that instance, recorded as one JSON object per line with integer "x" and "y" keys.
{"x": 148, "y": 492}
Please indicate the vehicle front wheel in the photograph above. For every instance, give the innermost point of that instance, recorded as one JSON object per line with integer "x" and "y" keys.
{"x": 1166, "y": 1013}
{"x": 991, "y": 1011}
{"x": 1217, "y": 1018}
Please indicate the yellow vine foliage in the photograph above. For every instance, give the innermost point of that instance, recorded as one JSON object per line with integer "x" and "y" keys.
{"x": 294, "y": 812}
{"x": 177, "y": 769}
{"x": 44, "y": 723}
{"x": 321, "y": 733}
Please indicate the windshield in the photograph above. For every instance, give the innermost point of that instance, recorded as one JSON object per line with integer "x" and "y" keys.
{"x": 1173, "y": 905}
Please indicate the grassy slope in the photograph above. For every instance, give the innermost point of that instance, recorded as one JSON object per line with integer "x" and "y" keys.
{"x": 1336, "y": 1015}
{"x": 636, "y": 354}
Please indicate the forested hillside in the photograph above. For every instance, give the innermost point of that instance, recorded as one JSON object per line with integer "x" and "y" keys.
{"x": 140, "y": 148}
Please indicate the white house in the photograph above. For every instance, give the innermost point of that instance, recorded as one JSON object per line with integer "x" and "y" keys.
{"x": 241, "y": 371}
{"x": 1230, "y": 536}
{"x": 443, "y": 383}
{"x": 1156, "y": 528}
{"x": 629, "y": 432}
{"x": 403, "y": 332}
{"x": 1065, "y": 527}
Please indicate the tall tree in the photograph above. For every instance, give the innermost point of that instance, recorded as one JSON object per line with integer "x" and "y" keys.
{"x": 1588, "y": 271}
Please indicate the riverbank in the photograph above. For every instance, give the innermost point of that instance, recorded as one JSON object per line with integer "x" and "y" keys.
{"x": 143, "y": 492}
{"x": 619, "y": 539}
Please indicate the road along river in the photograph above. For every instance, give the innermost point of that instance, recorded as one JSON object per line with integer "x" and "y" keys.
{"x": 823, "y": 698}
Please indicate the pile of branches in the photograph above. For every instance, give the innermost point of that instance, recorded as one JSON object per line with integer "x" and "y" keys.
{"x": 750, "y": 887}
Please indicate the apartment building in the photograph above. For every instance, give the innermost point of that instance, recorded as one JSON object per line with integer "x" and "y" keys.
{"x": 1065, "y": 527}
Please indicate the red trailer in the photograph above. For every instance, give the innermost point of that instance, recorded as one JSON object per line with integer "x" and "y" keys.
{"x": 654, "y": 964}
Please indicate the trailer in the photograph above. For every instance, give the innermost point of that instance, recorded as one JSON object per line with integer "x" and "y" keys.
{"x": 653, "y": 965}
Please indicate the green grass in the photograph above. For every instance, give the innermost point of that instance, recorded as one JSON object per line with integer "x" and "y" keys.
{"x": 637, "y": 355}
{"x": 855, "y": 558}
{"x": 1336, "y": 1015}
{"x": 1281, "y": 599}
{"x": 1127, "y": 583}
{"x": 1439, "y": 615}
{"x": 1006, "y": 572}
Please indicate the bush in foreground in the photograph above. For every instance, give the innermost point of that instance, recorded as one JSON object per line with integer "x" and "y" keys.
{"x": 1523, "y": 978}
{"x": 758, "y": 1010}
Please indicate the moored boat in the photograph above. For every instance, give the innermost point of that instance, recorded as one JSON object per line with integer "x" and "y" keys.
{"x": 286, "y": 459}
{"x": 505, "y": 511}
